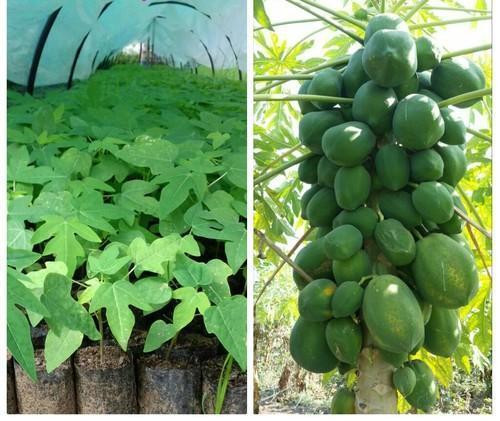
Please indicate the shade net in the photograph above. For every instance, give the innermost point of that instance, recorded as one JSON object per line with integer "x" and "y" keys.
{"x": 57, "y": 41}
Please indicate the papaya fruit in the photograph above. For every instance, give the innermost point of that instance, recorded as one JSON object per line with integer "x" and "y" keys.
{"x": 348, "y": 144}
{"x": 392, "y": 166}
{"x": 361, "y": 14}
{"x": 444, "y": 272}
{"x": 428, "y": 53}
{"x": 326, "y": 172}
{"x": 327, "y": 82}
{"x": 344, "y": 368}
{"x": 456, "y": 224}
{"x": 417, "y": 122}
{"x": 433, "y": 201}
{"x": 306, "y": 197}
{"x": 396, "y": 359}
{"x": 454, "y": 127}
{"x": 460, "y": 239}
{"x": 411, "y": 86}
{"x": 344, "y": 338}
{"x": 392, "y": 314}
{"x": 308, "y": 170}
{"x": 457, "y": 76}
{"x": 352, "y": 187}
{"x": 395, "y": 241}
{"x": 375, "y": 106}
{"x": 347, "y": 299}
{"x": 354, "y": 75}
{"x": 314, "y": 124}
{"x": 424, "y": 80}
{"x": 455, "y": 163}
{"x": 390, "y": 57}
{"x": 424, "y": 394}
{"x": 352, "y": 269}
{"x": 363, "y": 218}
{"x": 308, "y": 346}
{"x": 321, "y": 232}
{"x": 384, "y": 21}
{"x": 322, "y": 208}
{"x": 343, "y": 401}
{"x": 443, "y": 332}
{"x": 315, "y": 300}
{"x": 306, "y": 106}
{"x": 312, "y": 260}
{"x": 346, "y": 111}
{"x": 404, "y": 380}
{"x": 399, "y": 205}
{"x": 342, "y": 242}
{"x": 432, "y": 95}
{"x": 426, "y": 165}
{"x": 426, "y": 309}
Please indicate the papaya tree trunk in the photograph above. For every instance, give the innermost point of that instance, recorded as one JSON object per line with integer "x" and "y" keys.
{"x": 375, "y": 394}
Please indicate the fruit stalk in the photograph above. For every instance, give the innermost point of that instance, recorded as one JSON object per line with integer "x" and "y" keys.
{"x": 376, "y": 393}
{"x": 465, "y": 51}
{"x": 479, "y": 134}
{"x": 465, "y": 97}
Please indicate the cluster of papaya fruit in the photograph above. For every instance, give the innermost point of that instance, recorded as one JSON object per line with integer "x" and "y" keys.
{"x": 389, "y": 265}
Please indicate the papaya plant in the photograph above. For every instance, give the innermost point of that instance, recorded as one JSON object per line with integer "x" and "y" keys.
{"x": 126, "y": 201}
{"x": 377, "y": 159}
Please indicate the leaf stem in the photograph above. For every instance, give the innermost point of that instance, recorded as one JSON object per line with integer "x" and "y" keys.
{"x": 398, "y": 5}
{"x": 317, "y": 98}
{"x": 280, "y": 169}
{"x": 478, "y": 249}
{"x": 282, "y": 263}
{"x": 331, "y": 22}
{"x": 466, "y": 51}
{"x": 281, "y": 157}
{"x": 283, "y": 256}
{"x": 455, "y": 9}
{"x": 479, "y": 134}
{"x": 471, "y": 207}
{"x": 337, "y": 14}
{"x": 465, "y": 97}
{"x": 462, "y": 215}
{"x": 101, "y": 341}
{"x": 415, "y": 9}
{"x": 448, "y": 22}
{"x": 289, "y": 22}
{"x": 330, "y": 63}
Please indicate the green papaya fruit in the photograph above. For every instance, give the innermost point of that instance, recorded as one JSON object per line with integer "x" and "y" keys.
{"x": 309, "y": 348}
{"x": 352, "y": 187}
{"x": 392, "y": 314}
{"x": 432, "y": 95}
{"x": 327, "y": 82}
{"x": 308, "y": 170}
{"x": 342, "y": 242}
{"x": 322, "y": 208}
{"x": 361, "y": 14}
{"x": 396, "y": 359}
{"x": 363, "y": 218}
{"x": 455, "y": 163}
{"x": 314, "y": 124}
{"x": 428, "y": 53}
{"x": 375, "y": 106}
{"x": 417, "y": 122}
{"x": 426, "y": 165}
{"x": 443, "y": 332}
{"x": 315, "y": 300}
{"x": 344, "y": 338}
{"x": 312, "y": 260}
{"x": 354, "y": 75}
{"x": 444, "y": 272}
{"x": 306, "y": 106}
{"x": 454, "y": 127}
{"x": 348, "y": 144}
{"x": 384, "y": 21}
{"x": 424, "y": 394}
{"x": 352, "y": 269}
{"x": 424, "y": 80}
{"x": 322, "y": 231}
{"x": 344, "y": 368}
{"x": 326, "y": 172}
{"x": 343, "y": 402}
{"x": 404, "y": 380}
{"x": 399, "y": 205}
{"x": 433, "y": 201}
{"x": 457, "y": 76}
{"x": 390, "y": 57}
{"x": 411, "y": 86}
{"x": 347, "y": 299}
{"x": 392, "y": 166}
{"x": 456, "y": 224}
{"x": 306, "y": 197}
{"x": 395, "y": 241}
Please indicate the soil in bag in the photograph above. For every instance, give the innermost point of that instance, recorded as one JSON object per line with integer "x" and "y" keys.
{"x": 53, "y": 393}
{"x": 169, "y": 385}
{"x": 235, "y": 401}
{"x": 107, "y": 386}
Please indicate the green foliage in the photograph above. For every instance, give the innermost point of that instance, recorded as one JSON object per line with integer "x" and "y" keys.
{"x": 126, "y": 197}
